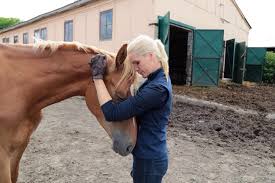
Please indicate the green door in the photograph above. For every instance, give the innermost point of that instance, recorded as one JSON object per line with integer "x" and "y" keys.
{"x": 164, "y": 31}
{"x": 207, "y": 53}
{"x": 239, "y": 67}
{"x": 229, "y": 58}
{"x": 254, "y": 64}
{"x": 255, "y": 56}
{"x": 253, "y": 73}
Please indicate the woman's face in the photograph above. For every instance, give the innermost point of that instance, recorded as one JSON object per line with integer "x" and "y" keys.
{"x": 144, "y": 65}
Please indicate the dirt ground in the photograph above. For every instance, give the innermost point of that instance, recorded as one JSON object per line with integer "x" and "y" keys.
{"x": 205, "y": 144}
{"x": 248, "y": 96}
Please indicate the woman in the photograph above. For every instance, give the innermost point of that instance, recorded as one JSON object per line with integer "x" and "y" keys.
{"x": 151, "y": 106}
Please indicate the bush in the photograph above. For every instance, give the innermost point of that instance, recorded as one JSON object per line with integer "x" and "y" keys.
{"x": 269, "y": 68}
{"x": 6, "y": 22}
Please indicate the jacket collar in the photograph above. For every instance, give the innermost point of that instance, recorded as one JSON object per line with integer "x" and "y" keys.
{"x": 154, "y": 74}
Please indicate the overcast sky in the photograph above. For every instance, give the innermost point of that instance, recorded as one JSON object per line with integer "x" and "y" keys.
{"x": 259, "y": 14}
{"x": 27, "y": 9}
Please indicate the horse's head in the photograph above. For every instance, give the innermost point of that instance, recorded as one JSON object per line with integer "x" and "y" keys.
{"x": 118, "y": 79}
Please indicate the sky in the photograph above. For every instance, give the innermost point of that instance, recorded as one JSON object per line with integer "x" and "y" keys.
{"x": 27, "y": 9}
{"x": 259, "y": 14}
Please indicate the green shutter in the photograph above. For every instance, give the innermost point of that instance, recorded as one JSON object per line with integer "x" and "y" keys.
{"x": 254, "y": 64}
{"x": 229, "y": 58}
{"x": 239, "y": 67}
{"x": 207, "y": 53}
{"x": 255, "y": 56}
{"x": 164, "y": 31}
{"x": 253, "y": 73}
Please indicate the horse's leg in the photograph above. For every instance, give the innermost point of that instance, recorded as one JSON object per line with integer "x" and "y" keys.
{"x": 15, "y": 159}
{"x": 22, "y": 140}
{"x": 5, "y": 176}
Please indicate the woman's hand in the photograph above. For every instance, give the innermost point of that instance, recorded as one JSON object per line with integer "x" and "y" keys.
{"x": 98, "y": 66}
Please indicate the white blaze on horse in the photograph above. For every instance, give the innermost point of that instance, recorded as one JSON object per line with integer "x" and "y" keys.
{"x": 33, "y": 77}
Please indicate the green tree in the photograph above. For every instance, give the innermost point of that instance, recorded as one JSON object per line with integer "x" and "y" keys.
{"x": 6, "y": 22}
{"x": 269, "y": 68}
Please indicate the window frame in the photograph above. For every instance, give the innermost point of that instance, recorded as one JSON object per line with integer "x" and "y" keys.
{"x": 26, "y": 38}
{"x": 66, "y": 24}
{"x": 15, "y": 39}
{"x": 46, "y": 33}
{"x": 103, "y": 36}
{"x": 6, "y": 40}
{"x": 38, "y": 34}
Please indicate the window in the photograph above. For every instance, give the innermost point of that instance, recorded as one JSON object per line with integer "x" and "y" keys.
{"x": 26, "y": 38}
{"x": 43, "y": 33}
{"x": 6, "y": 40}
{"x": 40, "y": 34}
{"x": 68, "y": 30}
{"x": 15, "y": 39}
{"x": 36, "y": 34}
{"x": 106, "y": 22}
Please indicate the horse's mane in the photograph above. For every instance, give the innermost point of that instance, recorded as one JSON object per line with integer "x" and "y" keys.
{"x": 53, "y": 46}
{"x": 128, "y": 72}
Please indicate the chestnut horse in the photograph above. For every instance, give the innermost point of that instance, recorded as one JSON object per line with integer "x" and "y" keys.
{"x": 36, "y": 76}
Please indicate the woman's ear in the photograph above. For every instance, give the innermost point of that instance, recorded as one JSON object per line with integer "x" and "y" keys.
{"x": 121, "y": 56}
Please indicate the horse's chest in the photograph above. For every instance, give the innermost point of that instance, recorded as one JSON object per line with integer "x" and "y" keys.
{"x": 11, "y": 111}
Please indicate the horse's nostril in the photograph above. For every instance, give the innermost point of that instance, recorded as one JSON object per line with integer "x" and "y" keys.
{"x": 121, "y": 145}
{"x": 129, "y": 148}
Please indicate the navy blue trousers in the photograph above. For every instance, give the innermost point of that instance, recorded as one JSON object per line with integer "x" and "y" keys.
{"x": 149, "y": 170}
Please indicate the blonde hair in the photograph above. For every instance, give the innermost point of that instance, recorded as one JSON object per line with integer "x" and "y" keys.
{"x": 41, "y": 46}
{"x": 143, "y": 44}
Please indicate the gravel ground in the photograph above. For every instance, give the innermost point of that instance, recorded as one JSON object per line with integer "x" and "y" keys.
{"x": 205, "y": 145}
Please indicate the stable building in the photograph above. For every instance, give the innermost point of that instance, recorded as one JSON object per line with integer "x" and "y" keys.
{"x": 205, "y": 40}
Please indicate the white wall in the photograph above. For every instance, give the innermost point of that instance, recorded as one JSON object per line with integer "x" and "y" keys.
{"x": 206, "y": 14}
{"x": 130, "y": 18}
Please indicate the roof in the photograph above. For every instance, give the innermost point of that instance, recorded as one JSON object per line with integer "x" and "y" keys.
{"x": 241, "y": 13}
{"x": 74, "y": 5}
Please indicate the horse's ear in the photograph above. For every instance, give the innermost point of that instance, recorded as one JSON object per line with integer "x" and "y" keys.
{"x": 121, "y": 56}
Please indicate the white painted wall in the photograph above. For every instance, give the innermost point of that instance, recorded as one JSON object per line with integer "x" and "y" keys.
{"x": 132, "y": 17}
{"x": 206, "y": 14}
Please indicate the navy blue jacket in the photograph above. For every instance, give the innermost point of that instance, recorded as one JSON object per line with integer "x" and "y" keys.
{"x": 152, "y": 106}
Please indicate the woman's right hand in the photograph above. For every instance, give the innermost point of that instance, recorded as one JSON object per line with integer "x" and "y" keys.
{"x": 98, "y": 66}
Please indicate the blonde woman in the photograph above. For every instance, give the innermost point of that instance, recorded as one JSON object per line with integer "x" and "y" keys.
{"x": 151, "y": 106}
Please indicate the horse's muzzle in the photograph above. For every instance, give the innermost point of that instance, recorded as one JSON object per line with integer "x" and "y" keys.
{"x": 122, "y": 144}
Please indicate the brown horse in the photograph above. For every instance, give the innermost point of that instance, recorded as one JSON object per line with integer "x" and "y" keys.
{"x": 35, "y": 76}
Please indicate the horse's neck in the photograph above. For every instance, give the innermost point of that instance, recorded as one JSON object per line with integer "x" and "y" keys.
{"x": 42, "y": 80}
{"x": 63, "y": 79}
